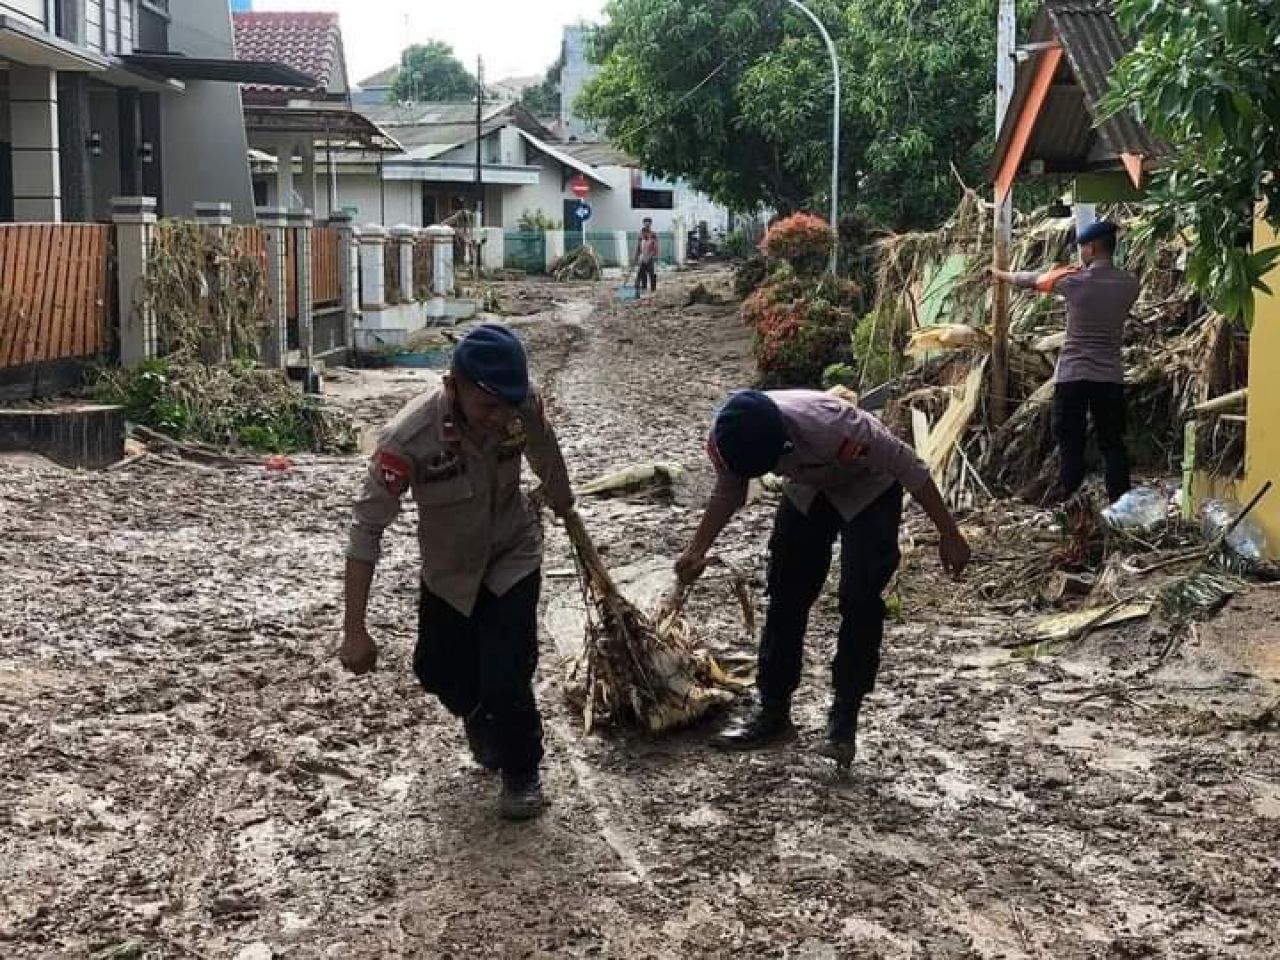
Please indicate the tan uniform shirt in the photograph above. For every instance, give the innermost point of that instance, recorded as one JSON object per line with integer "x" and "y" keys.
{"x": 837, "y": 450}
{"x": 475, "y": 526}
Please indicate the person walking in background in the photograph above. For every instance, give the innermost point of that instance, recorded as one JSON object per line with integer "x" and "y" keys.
{"x": 1089, "y": 379}
{"x": 647, "y": 251}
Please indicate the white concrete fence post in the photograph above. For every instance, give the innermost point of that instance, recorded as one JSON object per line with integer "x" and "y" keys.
{"x": 442, "y": 280}
{"x": 680, "y": 237}
{"x": 274, "y": 222}
{"x": 555, "y": 247}
{"x": 373, "y": 248}
{"x": 214, "y": 219}
{"x": 402, "y": 237}
{"x": 494, "y": 249}
{"x": 135, "y": 224}
{"x": 300, "y": 223}
{"x": 349, "y": 270}
{"x": 622, "y": 249}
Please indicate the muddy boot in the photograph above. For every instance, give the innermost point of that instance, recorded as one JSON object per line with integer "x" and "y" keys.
{"x": 521, "y": 797}
{"x": 841, "y": 741}
{"x": 767, "y": 724}
{"x": 480, "y": 740}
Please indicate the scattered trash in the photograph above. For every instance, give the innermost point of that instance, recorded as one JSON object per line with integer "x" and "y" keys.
{"x": 648, "y": 477}
{"x": 1197, "y": 596}
{"x": 1067, "y": 626}
{"x": 1247, "y": 541}
{"x": 947, "y": 336}
{"x": 1142, "y": 512}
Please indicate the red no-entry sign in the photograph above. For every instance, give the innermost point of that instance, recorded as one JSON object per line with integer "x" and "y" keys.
{"x": 580, "y": 187}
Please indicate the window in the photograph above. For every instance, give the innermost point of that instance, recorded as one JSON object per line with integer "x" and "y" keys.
{"x": 653, "y": 199}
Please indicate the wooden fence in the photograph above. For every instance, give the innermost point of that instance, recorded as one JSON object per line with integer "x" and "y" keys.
{"x": 56, "y": 296}
{"x": 326, "y": 267}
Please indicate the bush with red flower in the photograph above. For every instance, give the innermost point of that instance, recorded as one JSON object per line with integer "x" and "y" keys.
{"x": 803, "y": 240}
{"x": 801, "y": 328}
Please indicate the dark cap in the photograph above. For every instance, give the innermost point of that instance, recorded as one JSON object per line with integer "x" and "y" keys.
{"x": 493, "y": 358}
{"x": 749, "y": 434}
{"x": 1096, "y": 231}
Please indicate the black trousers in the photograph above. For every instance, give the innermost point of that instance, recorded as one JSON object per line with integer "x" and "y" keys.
{"x": 481, "y": 667}
{"x": 1073, "y": 404}
{"x": 648, "y": 274}
{"x": 799, "y": 558}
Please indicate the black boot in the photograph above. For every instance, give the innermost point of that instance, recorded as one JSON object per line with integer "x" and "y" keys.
{"x": 768, "y": 723}
{"x": 521, "y": 797}
{"x": 480, "y": 740}
{"x": 841, "y": 742}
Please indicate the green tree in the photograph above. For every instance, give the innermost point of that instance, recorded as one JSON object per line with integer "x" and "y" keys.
{"x": 543, "y": 100}
{"x": 430, "y": 71}
{"x": 1205, "y": 79}
{"x": 735, "y": 95}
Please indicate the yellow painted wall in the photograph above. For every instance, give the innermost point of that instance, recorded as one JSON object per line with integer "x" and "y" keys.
{"x": 1262, "y": 451}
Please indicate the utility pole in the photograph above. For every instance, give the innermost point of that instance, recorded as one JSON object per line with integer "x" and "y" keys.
{"x": 478, "y": 201}
{"x": 835, "y": 128}
{"x": 1006, "y": 64}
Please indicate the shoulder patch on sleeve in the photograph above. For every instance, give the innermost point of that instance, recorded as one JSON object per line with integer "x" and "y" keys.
{"x": 850, "y": 451}
{"x": 394, "y": 469}
{"x": 1047, "y": 281}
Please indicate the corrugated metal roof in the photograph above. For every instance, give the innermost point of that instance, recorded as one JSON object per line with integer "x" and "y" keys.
{"x": 596, "y": 154}
{"x": 1068, "y": 137}
{"x": 1093, "y": 44}
{"x": 419, "y": 114}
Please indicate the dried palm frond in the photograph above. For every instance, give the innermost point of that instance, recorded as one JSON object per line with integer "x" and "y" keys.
{"x": 637, "y": 670}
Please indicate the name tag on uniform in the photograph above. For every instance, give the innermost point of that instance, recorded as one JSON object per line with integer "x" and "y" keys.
{"x": 442, "y": 467}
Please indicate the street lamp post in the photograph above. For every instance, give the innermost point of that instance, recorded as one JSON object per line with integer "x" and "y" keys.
{"x": 835, "y": 127}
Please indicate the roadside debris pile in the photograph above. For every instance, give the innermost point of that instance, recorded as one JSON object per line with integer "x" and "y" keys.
{"x": 932, "y": 293}
{"x": 580, "y": 264}
{"x": 1080, "y": 569}
{"x": 638, "y": 670}
{"x": 206, "y": 292}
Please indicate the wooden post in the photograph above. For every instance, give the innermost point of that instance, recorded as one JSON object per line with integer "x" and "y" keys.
{"x": 1006, "y": 63}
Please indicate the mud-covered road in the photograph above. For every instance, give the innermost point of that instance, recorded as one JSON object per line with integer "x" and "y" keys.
{"x": 185, "y": 771}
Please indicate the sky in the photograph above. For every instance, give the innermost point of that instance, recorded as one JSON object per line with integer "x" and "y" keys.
{"x": 515, "y": 37}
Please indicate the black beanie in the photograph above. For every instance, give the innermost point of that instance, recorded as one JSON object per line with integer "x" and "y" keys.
{"x": 493, "y": 358}
{"x": 749, "y": 433}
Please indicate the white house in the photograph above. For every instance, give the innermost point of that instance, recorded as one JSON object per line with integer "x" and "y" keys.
{"x": 523, "y": 170}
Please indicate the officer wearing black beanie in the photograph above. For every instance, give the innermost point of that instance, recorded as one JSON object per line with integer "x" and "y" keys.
{"x": 458, "y": 448}
{"x": 845, "y": 478}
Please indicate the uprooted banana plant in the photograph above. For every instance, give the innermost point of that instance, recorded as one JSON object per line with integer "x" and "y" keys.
{"x": 638, "y": 670}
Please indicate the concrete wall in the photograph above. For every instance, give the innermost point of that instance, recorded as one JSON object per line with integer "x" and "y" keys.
{"x": 32, "y": 11}
{"x": 1262, "y": 451}
{"x": 104, "y": 113}
{"x": 205, "y": 147}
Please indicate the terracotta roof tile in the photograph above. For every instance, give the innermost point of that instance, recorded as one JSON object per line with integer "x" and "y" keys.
{"x": 310, "y": 42}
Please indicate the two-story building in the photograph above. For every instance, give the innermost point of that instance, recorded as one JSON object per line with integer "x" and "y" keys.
{"x": 103, "y": 98}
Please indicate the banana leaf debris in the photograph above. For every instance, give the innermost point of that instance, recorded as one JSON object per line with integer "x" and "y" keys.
{"x": 1065, "y": 571}
{"x": 639, "y": 670}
